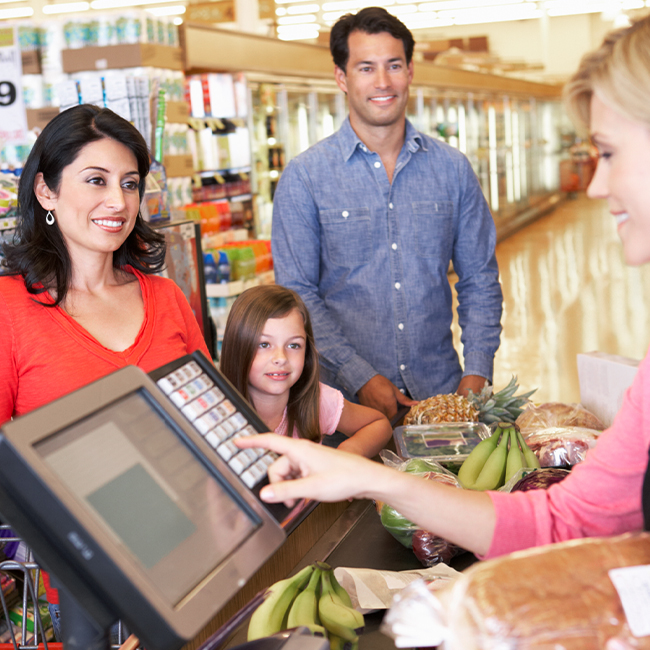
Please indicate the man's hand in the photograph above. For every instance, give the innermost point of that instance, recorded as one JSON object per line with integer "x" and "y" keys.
{"x": 475, "y": 383}
{"x": 382, "y": 394}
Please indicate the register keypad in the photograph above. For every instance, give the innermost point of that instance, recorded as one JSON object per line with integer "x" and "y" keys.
{"x": 217, "y": 420}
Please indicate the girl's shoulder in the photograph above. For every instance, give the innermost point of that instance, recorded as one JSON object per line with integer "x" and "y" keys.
{"x": 330, "y": 408}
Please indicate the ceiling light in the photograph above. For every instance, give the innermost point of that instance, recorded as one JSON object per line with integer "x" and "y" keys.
{"x": 303, "y": 9}
{"x": 465, "y": 4}
{"x": 332, "y": 16}
{"x": 115, "y": 4}
{"x": 173, "y": 10}
{"x": 19, "y": 12}
{"x": 404, "y": 9}
{"x": 296, "y": 20}
{"x": 573, "y": 7}
{"x": 336, "y": 6}
{"x": 66, "y": 7}
{"x": 492, "y": 14}
{"x": 297, "y": 32}
{"x": 281, "y": 11}
{"x": 425, "y": 21}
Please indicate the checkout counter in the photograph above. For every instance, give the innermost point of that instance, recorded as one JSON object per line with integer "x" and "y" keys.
{"x": 124, "y": 501}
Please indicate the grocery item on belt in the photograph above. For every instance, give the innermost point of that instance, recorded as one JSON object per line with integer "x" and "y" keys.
{"x": 557, "y": 414}
{"x": 485, "y": 406}
{"x": 562, "y": 446}
{"x": 576, "y": 595}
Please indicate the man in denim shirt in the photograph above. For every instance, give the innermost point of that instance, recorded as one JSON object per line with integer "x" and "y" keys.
{"x": 365, "y": 224}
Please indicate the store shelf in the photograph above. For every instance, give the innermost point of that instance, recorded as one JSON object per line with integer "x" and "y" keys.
{"x": 7, "y": 223}
{"x": 130, "y": 55}
{"x": 230, "y": 289}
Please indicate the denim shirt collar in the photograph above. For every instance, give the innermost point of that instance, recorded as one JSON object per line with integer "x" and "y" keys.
{"x": 349, "y": 141}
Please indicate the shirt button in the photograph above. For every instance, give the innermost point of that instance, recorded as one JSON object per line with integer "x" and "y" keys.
{"x": 377, "y": 164}
{"x": 390, "y": 205}
{"x": 400, "y": 326}
{"x": 345, "y": 214}
{"x": 363, "y": 146}
{"x": 401, "y": 390}
{"x": 394, "y": 246}
{"x": 398, "y": 286}
{"x": 402, "y": 367}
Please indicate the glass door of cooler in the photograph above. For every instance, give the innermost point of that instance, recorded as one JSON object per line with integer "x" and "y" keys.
{"x": 330, "y": 112}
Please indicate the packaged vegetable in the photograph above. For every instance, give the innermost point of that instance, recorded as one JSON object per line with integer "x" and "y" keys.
{"x": 561, "y": 446}
{"x": 428, "y": 548}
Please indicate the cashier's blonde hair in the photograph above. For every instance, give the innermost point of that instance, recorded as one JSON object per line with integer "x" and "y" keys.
{"x": 619, "y": 71}
{"x": 241, "y": 339}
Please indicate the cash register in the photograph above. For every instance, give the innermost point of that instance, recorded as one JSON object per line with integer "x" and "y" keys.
{"x": 131, "y": 506}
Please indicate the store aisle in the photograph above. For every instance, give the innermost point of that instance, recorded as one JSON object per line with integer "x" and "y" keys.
{"x": 567, "y": 290}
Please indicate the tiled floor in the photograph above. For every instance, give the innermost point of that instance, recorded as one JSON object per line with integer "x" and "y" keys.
{"x": 567, "y": 290}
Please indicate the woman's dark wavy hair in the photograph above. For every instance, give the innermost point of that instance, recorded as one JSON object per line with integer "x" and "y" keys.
{"x": 241, "y": 338}
{"x": 38, "y": 251}
{"x": 371, "y": 20}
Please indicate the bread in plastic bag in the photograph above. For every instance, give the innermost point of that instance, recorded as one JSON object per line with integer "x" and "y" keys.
{"x": 428, "y": 548}
{"x": 561, "y": 446}
{"x": 557, "y": 414}
{"x": 555, "y": 597}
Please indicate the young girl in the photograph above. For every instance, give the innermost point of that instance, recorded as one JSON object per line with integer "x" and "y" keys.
{"x": 268, "y": 353}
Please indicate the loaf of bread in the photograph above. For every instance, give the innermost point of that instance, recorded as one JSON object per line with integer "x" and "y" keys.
{"x": 557, "y": 597}
{"x": 557, "y": 414}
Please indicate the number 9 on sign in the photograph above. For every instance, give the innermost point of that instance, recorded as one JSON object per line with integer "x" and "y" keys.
{"x": 7, "y": 93}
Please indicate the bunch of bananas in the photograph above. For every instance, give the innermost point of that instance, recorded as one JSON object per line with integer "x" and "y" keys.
{"x": 312, "y": 598}
{"x": 495, "y": 460}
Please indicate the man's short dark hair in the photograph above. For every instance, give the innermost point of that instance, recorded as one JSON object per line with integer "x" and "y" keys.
{"x": 371, "y": 20}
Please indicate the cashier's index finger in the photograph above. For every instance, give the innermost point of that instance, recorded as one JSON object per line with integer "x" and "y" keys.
{"x": 272, "y": 441}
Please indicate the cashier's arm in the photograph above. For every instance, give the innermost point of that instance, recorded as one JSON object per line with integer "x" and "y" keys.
{"x": 308, "y": 470}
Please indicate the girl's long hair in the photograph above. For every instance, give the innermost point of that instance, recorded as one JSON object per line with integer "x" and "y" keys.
{"x": 244, "y": 328}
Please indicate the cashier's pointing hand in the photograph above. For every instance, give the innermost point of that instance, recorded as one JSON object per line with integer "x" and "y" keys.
{"x": 308, "y": 470}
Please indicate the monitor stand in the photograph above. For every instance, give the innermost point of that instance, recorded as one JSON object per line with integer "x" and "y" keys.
{"x": 79, "y": 631}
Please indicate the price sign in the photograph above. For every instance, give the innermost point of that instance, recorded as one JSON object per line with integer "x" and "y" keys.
{"x": 13, "y": 118}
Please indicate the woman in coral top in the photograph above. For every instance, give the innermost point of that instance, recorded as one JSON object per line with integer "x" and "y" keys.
{"x": 80, "y": 299}
{"x": 607, "y": 494}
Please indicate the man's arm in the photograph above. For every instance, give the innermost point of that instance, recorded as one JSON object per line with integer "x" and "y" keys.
{"x": 296, "y": 259}
{"x": 480, "y": 297}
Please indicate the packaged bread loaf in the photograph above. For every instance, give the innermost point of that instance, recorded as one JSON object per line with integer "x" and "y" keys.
{"x": 555, "y": 597}
{"x": 557, "y": 414}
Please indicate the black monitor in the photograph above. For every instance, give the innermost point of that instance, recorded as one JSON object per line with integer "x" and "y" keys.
{"x": 131, "y": 510}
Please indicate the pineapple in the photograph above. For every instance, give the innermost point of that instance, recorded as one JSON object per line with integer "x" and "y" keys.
{"x": 486, "y": 406}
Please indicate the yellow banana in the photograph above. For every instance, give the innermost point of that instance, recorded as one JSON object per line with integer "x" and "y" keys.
{"x": 530, "y": 459}
{"x": 340, "y": 591}
{"x": 335, "y": 616}
{"x": 304, "y": 610}
{"x": 270, "y": 616}
{"x": 474, "y": 463}
{"x": 515, "y": 459}
{"x": 493, "y": 473}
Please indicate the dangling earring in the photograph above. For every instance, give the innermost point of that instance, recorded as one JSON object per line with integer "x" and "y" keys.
{"x": 49, "y": 218}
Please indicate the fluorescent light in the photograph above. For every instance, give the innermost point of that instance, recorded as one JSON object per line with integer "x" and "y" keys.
{"x": 403, "y": 9}
{"x": 177, "y": 21}
{"x": 303, "y": 9}
{"x": 66, "y": 7}
{"x": 280, "y": 11}
{"x": 492, "y": 14}
{"x": 173, "y": 10}
{"x": 114, "y": 4}
{"x": 573, "y": 7}
{"x": 346, "y": 4}
{"x": 296, "y": 20}
{"x": 332, "y": 16}
{"x": 20, "y": 12}
{"x": 297, "y": 32}
{"x": 464, "y": 4}
{"x": 425, "y": 21}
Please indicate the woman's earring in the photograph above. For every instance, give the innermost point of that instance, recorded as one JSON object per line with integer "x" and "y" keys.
{"x": 49, "y": 218}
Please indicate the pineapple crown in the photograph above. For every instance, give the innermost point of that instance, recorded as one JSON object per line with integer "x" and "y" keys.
{"x": 504, "y": 405}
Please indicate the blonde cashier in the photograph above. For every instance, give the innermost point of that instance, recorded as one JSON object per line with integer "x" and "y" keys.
{"x": 268, "y": 353}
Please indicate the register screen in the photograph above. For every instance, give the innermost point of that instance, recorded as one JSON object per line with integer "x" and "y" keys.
{"x": 150, "y": 492}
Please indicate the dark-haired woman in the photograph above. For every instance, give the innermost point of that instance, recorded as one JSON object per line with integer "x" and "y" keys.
{"x": 80, "y": 299}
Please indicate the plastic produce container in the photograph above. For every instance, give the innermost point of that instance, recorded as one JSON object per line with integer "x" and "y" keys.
{"x": 448, "y": 443}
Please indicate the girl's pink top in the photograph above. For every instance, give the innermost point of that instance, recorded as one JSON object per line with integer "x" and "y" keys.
{"x": 330, "y": 408}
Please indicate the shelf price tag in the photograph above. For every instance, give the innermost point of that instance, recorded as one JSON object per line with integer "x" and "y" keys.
{"x": 13, "y": 118}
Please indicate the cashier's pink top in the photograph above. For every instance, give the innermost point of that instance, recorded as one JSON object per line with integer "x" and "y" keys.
{"x": 601, "y": 496}
{"x": 330, "y": 407}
